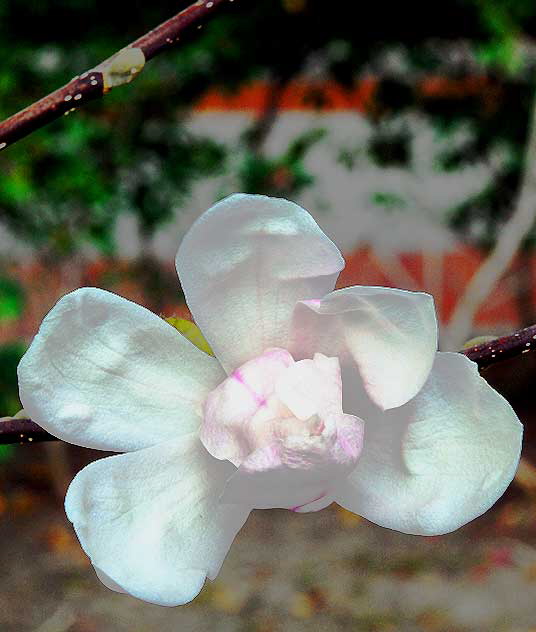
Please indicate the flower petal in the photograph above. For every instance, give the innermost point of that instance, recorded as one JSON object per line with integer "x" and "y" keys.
{"x": 108, "y": 582}
{"x": 311, "y": 387}
{"x": 228, "y": 430}
{"x": 441, "y": 460}
{"x": 151, "y": 522}
{"x": 298, "y": 470}
{"x": 243, "y": 266}
{"x": 106, "y": 373}
{"x": 389, "y": 335}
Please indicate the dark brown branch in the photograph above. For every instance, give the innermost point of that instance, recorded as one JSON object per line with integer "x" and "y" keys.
{"x": 22, "y": 431}
{"x": 486, "y": 355}
{"x": 504, "y": 348}
{"x": 118, "y": 70}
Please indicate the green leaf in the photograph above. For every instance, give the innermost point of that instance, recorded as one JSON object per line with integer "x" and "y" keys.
{"x": 11, "y": 300}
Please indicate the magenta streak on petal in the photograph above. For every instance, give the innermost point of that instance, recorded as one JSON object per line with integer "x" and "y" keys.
{"x": 237, "y": 375}
{"x": 308, "y": 502}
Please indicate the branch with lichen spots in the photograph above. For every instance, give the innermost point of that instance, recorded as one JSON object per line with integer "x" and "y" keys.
{"x": 21, "y": 430}
{"x": 118, "y": 70}
{"x": 496, "y": 350}
{"x": 487, "y": 354}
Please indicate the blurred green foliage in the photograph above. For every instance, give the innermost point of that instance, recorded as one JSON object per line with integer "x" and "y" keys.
{"x": 284, "y": 175}
{"x": 11, "y": 300}
{"x": 67, "y": 183}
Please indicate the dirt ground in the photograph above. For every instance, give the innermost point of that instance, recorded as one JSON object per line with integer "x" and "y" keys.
{"x": 326, "y": 571}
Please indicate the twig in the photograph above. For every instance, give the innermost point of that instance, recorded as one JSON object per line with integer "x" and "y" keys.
{"x": 22, "y": 431}
{"x": 118, "y": 70}
{"x": 504, "y": 348}
{"x": 485, "y": 355}
{"x": 510, "y": 239}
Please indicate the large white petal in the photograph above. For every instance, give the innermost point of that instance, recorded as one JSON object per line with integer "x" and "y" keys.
{"x": 106, "y": 373}
{"x": 151, "y": 521}
{"x": 441, "y": 460}
{"x": 388, "y": 335}
{"x": 243, "y": 266}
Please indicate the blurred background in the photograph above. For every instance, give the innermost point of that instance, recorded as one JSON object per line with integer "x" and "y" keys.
{"x": 405, "y": 130}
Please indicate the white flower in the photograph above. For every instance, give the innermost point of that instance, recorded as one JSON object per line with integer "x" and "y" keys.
{"x": 314, "y": 396}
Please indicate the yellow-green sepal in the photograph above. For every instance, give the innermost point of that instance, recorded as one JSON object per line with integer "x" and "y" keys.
{"x": 191, "y": 331}
{"x": 474, "y": 342}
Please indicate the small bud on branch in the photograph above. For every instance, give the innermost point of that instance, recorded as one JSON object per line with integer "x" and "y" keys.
{"x": 118, "y": 70}
{"x": 20, "y": 430}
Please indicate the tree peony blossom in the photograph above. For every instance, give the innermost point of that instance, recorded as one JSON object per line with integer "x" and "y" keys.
{"x": 313, "y": 396}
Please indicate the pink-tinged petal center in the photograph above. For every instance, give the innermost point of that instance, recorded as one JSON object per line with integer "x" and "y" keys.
{"x": 237, "y": 375}
{"x": 281, "y": 423}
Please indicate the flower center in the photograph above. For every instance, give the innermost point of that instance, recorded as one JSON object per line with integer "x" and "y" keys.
{"x": 281, "y": 423}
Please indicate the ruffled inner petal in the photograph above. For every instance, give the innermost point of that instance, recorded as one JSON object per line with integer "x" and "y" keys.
{"x": 240, "y": 410}
{"x": 295, "y": 471}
